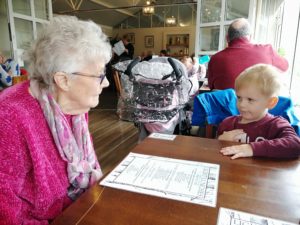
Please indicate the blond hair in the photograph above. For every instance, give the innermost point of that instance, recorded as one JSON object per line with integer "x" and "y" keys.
{"x": 264, "y": 77}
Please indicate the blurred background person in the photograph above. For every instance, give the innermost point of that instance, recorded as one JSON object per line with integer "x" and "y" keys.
{"x": 129, "y": 48}
{"x": 163, "y": 52}
{"x": 226, "y": 65}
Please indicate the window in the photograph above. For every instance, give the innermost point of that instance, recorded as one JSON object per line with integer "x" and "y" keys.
{"x": 289, "y": 46}
{"x": 22, "y": 7}
{"x": 185, "y": 15}
{"x": 236, "y": 9}
{"x": 158, "y": 19}
{"x": 210, "y": 11}
{"x": 276, "y": 22}
{"x": 209, "y": 38}
{"x": 214, "y": 17}
{"x": 41, "y": 9}
{"x": 26, "y": 19}
{"x": 24, "y": 30}
{"x": 4, "y": 34}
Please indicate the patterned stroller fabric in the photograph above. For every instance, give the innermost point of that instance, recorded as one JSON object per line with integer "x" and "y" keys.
{"x": 153, "y": 93}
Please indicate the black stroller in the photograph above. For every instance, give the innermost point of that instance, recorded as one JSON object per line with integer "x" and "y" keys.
{"x": 155, "y": 95}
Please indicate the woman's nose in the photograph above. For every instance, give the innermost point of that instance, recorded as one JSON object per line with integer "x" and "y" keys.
{"x": 105, "y": 83}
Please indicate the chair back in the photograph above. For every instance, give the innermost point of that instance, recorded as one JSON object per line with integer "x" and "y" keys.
{"x": 19, "y": 79}
{"x": 212, "y": 108}
{"x": 117, "y": 82}
{"x": 285, "y": 108}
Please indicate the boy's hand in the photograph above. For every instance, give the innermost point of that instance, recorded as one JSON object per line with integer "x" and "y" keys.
{"x": 233, "y": 135}
{"x": 238, "y": 151}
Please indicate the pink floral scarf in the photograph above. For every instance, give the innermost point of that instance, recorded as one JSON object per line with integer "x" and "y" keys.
{"x": 74, "y": 144}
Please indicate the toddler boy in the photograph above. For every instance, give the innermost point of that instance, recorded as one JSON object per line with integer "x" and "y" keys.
{"x": 263, "y": 134}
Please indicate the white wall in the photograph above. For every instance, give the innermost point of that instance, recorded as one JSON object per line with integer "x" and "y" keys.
{"x": 160, "y": 37}
{"x": 107, "y": 30}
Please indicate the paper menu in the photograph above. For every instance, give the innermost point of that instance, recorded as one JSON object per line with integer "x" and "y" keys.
{"x": 119, "y": 48}
{"x": 168, "y": 137}
{"x": 182, "y": 180}
{"x": 234, "y": 217}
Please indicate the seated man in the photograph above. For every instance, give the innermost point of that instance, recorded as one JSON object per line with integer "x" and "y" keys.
{"x": 240, "y": 54}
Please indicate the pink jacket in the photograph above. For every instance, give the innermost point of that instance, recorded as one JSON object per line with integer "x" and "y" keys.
{"x": 33, "y": 176}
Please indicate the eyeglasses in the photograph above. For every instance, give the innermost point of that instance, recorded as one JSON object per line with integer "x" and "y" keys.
{"x": 101, "y": 77}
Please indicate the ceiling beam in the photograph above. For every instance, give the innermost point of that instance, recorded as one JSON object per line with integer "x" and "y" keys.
{"x": 123, "y": 8}
{"x": 105, "y": 4}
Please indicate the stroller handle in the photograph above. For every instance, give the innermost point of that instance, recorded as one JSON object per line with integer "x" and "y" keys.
{"x": 178, "y": 73}
{"x": 131, "y": 65}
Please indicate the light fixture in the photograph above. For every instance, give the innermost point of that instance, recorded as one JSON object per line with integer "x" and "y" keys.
{"x": 74, "y": 4}
{"x": 171, "y": 20}
{"x": 149, "y": 9}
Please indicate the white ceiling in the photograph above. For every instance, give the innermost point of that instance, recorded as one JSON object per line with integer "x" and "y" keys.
{"x": 106, "y": 12}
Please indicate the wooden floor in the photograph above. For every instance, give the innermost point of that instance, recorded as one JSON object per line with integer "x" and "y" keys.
{"x": 113, "y": 139}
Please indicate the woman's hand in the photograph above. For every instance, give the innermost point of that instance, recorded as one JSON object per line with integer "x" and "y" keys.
{"x": 238, "y": 151}
{"x": 233, "y": 135}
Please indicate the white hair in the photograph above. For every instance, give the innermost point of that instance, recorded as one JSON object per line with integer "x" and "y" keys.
{"x": 66, "y": 44}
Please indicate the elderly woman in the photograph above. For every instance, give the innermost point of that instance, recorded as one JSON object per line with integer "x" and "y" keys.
{"x": 46, "y": 154}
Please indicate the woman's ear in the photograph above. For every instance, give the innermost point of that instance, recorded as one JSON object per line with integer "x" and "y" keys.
{"x": 62, "y": 81}
{"x": 272, "y": 102}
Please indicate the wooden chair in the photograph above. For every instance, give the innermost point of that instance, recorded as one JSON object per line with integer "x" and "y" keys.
{"x": 117, "y": 82}
{"x": 208, "y": 131}
{"x": 224, "y": 102}
{"x": 19, "y": 79}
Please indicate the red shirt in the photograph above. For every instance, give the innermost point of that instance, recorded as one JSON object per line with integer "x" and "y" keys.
{"x": 226, "y": 65}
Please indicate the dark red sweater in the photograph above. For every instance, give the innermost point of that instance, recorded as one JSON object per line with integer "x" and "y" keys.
{"x": 226, "y": 65}
{"x": 272, "y": 136}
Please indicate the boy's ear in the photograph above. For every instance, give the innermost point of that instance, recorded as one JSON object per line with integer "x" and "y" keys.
{"x": 61, "y": 80}
{"x": 272, "y": 102}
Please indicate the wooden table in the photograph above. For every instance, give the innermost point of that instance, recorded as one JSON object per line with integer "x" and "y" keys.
{"x": 265, "y": 187}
